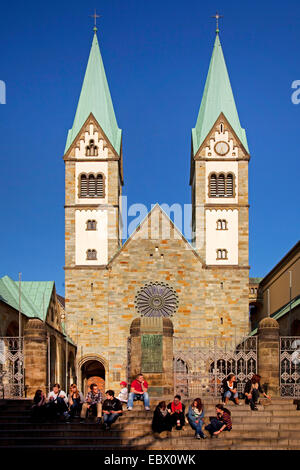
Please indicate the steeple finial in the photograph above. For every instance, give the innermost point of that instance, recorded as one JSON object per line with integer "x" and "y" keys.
{"x": 95, "y": 16}
{"x": 217, "y": 17}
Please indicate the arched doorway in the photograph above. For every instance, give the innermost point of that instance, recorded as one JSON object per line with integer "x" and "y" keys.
{"x": 181, "y": 377}
{"x": 92, "y": 371}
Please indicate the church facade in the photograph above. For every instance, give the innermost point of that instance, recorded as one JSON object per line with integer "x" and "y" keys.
{"x": 128, "y": 304}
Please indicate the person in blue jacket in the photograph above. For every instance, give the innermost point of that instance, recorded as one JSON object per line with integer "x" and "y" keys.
{"x": 195, "y": 417}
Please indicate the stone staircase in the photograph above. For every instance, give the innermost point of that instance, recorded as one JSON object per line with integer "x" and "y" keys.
{"x": 275, "y": 426}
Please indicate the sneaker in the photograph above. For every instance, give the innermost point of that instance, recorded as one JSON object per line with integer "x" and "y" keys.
{"x": 99, "y": 420}
{"x": 130, "y": 408}
{"x": 197, "y": 436}
{"x": 146, "y": 408}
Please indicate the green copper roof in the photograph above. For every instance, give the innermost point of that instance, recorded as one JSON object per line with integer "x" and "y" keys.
{"x": 95, "y": 98}
{"x": 35, "y": 296}
{"x": 217, "y": 98}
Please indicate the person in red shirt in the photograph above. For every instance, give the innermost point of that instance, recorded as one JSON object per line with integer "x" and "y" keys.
{"x": 139, "y": 391}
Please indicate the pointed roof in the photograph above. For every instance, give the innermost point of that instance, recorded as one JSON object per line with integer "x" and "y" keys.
{"x": 217, "y": 98}
{"x": 35, "y": 296}
{"x": 95, "y": 98}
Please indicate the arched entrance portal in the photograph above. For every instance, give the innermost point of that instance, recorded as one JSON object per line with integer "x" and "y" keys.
{"x": 92, "y": 371}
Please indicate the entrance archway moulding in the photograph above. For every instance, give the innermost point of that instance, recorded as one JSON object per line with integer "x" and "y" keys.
{"x": 92, "y": 357}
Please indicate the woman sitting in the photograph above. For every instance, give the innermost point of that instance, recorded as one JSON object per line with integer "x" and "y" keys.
{"x": 161, "y": 418}
{"x": 252, "y": 391}
{"x": 230, "y": 390}
{"x": 38, "y": 409}
{"x": 75, "y": 400}
{"x": 221, "y": 423}
{"x": 195, "y": 417}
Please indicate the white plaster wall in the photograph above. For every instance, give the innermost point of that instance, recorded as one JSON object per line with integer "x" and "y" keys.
{"x": 91, "y": 167}
{"x": 224, "y": 239}
{"x": 224, "y": 137}
{"x": 91, "y": 239}
{"x": 219, "y": 167}
{"x": 80, "y": 150}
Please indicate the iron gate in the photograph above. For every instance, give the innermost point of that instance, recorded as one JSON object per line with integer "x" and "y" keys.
{"x": 201, "y": 365}
{"x": 290, "y": 366}
{"x": 11, "y": 367}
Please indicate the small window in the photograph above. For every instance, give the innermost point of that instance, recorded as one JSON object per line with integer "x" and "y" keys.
{"x": 91, "y": 149}
{"x": 83, "y": 186}
{"x": 92, "y": 185}
{"x": 222, "y": 224}
{"x": 222, "y": 254}
{"x": 221, "y": 127}
{"x": 91, "y": 255}
{"x": 221, "y": 185}
{"x": 91, "y": 225}
{"x": 229, "y": 185}
{"x": 213, "y": 185}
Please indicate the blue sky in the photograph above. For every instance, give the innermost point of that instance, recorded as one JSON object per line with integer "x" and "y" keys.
{"x": 156, "y": 56}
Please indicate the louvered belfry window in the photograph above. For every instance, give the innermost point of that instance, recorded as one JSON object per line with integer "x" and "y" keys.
{"x": 221, "y": 185}
{"x": 92, "y": 185}
{"x": 229, "y": 185}
{"x": 83, "y": 186}
{"x": 213, "y": 185}
{"x": 100, "y": 186}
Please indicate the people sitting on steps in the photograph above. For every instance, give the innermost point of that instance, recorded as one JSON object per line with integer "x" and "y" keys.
{"x": 252, "y": 390}
{"x": 123, "y": 395}
{"x": 176, "y": 409}
{"x": 93, "y": 402}
{"x": 161, "y": 419}
{"x": 222, "y": 422}
{"x": 57, "y": 402}
{"x": 230, "y": 392}
{"x": 111, "y": 409}
{"x": 75, "y": 400}
{"x": 139, "y": 391}
{"x": 195, "y": 417}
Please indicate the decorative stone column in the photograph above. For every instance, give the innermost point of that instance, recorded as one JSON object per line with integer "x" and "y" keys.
{"x": 268, "y": 355}
{"x": 151, "y": 353}
{"x": 35, "y": 354}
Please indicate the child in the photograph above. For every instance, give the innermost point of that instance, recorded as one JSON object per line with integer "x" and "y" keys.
{"x": 123, "y": 395}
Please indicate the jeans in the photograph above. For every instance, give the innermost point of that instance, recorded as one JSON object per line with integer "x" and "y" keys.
{"x": 197, "y": 427}
{"x": 133, "y": 397}
{"x": 75, "y": 409}
{"x": 214, "y": 426}
{"x": 229, "y": 393}
{"x": 110, "y": 418}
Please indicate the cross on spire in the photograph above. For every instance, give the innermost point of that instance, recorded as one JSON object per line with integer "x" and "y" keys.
{"x": 217, "y": 17}
{"x": 95, "y": 16}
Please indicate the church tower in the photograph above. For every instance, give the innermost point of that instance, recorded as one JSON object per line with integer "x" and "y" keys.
{"x": 219, "y": 173}
{"x": 93, "y": 173}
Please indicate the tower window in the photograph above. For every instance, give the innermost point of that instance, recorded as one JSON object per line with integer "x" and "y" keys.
{"x": 91, "y": 255}
{"x": 91, "y": 225}
{"x": 221, "y": 127}
{"x": 92, "y": 185}
{"x": 222, "y": 254}
{"x": 222, "y": 224}
{"x": 229, "y": 185}
{"x": 91, "y": 150}
{"x": 221, "y": 185}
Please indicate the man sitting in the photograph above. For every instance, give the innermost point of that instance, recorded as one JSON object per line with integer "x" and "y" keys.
{"x": 57, "y": 402}
{"x": 93, "y": 401}
{"x": 176, "y": 409}
{"x": 112, "y": 409}
{"x": 139, "y": 391}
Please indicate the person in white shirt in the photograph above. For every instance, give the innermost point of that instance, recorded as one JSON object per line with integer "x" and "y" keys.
{"x": 57, "y": 401}
{"x": 123, "y": 395}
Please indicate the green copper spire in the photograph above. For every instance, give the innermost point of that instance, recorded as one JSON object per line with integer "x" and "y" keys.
{"x": 95, "y": 98}
{"x": 217, "y": 98}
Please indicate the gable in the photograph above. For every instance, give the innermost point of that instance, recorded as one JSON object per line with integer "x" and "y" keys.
{"x": 156, "y": 230}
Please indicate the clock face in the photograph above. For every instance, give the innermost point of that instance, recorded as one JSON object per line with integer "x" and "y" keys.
{"x": 221, "y": 148}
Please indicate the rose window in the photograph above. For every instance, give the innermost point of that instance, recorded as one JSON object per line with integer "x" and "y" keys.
{"x": 156, "y": 299}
